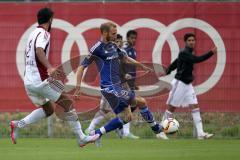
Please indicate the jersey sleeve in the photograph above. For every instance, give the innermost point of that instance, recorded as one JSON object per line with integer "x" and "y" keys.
{"x": 42, "y": 40}
{"x": 195, "y": 59}
{"x": 88, "y": 60}
{"x": 172, "y": 66}
{"x": 94, "y": 49}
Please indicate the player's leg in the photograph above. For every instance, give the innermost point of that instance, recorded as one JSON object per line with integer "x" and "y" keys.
{"x": 45, "y": 109}
{"x": 197, "y": 122}
{"x": 124, "y": 116}
{"x": 127, "y": 133}
{"x": 148, "y": 117}
{"x": 71, "y": 117}
{"x": 53, "y": 90}
{"x": 191, "y": 101}
{"x": 173, "y": 97}
{"x": 100, "y": 115}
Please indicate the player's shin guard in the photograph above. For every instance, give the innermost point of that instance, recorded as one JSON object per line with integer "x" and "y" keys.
{"x": 148, "y": 117}
{"x": 33, "y": 117}
{"x": 110, "y": 126}
{"x": 197, "y": 120}
{"x": 72, "y": 119}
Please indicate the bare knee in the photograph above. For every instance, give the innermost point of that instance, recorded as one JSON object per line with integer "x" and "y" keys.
{"x": 141, "y": 102}
{"x": 48, "y": 109}
{"x": 193, "y": 106}
{"x": 171, "y": 108}
{"x": 65, "y": 102}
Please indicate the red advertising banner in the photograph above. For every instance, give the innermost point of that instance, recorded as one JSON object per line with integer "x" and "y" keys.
{"x": 160, "y": 28}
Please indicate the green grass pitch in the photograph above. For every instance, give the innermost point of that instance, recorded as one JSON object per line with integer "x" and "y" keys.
{"x": 116, "y": 149}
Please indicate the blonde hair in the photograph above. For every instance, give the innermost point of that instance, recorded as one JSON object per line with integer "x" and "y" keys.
{"x": 106, "y": 26}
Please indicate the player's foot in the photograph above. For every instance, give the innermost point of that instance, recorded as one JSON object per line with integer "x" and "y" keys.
{"x": 98, "y": 140}
{"x": 205, "y": 135}
{"x": 14, "y": 131}
{"x": 162, "y": 135}
{"x": 131, "y": 136}
{"x": 119, "y": 132}
{"x": 87, "y": 139}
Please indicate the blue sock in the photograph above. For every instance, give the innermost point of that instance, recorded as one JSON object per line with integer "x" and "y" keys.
{"x": 148, "y": 117}
{"x": 110, "y": 126}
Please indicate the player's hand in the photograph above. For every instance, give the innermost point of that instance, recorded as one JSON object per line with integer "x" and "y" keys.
{"x": 214, "y": 50}
{"x": 128, "y": 76}
{"x": 53, "y": 72}
{"x": 77, "y": 93}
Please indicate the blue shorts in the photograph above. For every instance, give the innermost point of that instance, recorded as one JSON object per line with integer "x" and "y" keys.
{"x": 118, "y": 98}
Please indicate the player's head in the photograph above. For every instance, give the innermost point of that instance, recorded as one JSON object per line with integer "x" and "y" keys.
{"x": 44, "y": 17}
{"x": 109, "y": 31}
{"x": 119, "y": 40}
{"x": 189, "y": 39}
{"x": 131, "y": 37}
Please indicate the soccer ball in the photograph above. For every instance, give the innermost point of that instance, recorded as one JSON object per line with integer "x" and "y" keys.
{"x": 170, "y": 125}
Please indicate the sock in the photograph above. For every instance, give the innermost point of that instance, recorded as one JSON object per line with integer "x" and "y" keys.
{"x": 76, "y": 128}
{"x": 33, "y": 117}
{"x": 96, "y": 120}
{"x": 167, "y": 114}
{"x": 110, "y": 126}
{"x": 72, "y": 118}
{"x": 148, "y": 117}
{"x": 126, "y": 129}
{"x": 197, "y": 120}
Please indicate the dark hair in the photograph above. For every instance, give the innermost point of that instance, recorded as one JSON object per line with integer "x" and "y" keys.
{"x": 187, "y": 35}
{"x": 106, "y": 26}
{"x": 44, "y": 15}
{"x": 119, "y": 36}
{"x": 131, "y": 32}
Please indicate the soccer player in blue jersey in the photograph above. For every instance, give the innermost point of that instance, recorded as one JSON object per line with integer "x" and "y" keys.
{"x": 129, "y": 69}
{"x": 106, "y": 55}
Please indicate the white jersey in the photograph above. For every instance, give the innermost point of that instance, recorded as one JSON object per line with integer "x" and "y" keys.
{"x": 35, "y": 72}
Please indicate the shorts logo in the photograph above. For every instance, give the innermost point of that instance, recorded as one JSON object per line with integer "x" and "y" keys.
{"x": 75, "y": 34}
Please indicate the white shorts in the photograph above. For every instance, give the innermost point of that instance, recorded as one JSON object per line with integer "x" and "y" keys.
{"x": 181, "y": 94}
{"x": 45, "y": 91}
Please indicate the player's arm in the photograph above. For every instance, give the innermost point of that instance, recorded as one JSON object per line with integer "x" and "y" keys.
{"x": 42, "y": 41}
{"x": 136, "y": 63}
{"x": 172, "y": 66}
{"x": 198, "y": 59}
{"x": 86, "y": 62}
{"x": 41, "y": 55}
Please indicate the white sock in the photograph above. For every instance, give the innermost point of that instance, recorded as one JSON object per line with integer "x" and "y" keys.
{"x": 33, "y": 117}
{"x": 96, "y": 120}
{"x": 76, "y": 128}
{"x": 72, "y": 118}
{"x": 167, "y": 114}
{"x": 197, "y": 120}
{"x": 126, "y": 129}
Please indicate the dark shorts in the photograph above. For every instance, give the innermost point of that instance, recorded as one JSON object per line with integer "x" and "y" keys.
{"x": 118, "y": 98}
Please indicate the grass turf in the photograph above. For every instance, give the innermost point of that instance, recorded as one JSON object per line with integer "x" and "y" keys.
{"x": 115, "y": 149}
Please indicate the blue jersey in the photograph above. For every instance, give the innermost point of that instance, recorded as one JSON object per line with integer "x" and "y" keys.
{"x": 131, "y": 52}
{"x": 106, "y": 56}
{"x": 130, "y": 69}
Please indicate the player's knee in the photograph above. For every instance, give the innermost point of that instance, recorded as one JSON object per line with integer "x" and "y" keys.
{"x": 194, "y": 106}
{"x": 141, "y": 102}
{"x": 48, "y": 109}
{"x": 65, "y": 102}
{"x": 171, "y": 108}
